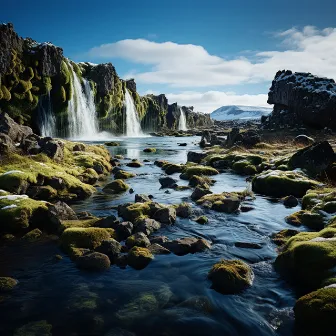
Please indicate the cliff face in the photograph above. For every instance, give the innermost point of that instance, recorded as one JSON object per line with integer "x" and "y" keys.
{"x": 32, "y": 73}
{"x": 302, "y": 99}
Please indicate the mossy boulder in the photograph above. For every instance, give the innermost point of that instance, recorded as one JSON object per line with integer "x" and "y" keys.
{"x": 183, "y": 210}
{"x": 172, "y": 168}
{"x": 149, "y": 150}
{"x": 123, "y": 175}
{"x": 89, "y": 238}
{"x": 309, "y": 257}
{"x": 137, "y": 239}
{"x": 281, "y": 183}
{"x": 281, "y": 237}
{"x": 132, "y": 211}
{"x": 199, "y": 192}
{"x": 244, "y": 167}
{"x": 202, "y": 220}
{"x": 231, "y": 276}
{"x": 33, "y": 235}
{"x": 93, "y": 261}
{"x": 313, "y": 220}
{"x": 134, "y": 164}
{"x": 188, "y": 172}
{"x": 112, "y": 144}
{"x": 139, "y": 257}
{"x": 201, "y": 181}
{"x": 116, "y": 187}
{"x": 34, "y": 329}
{"x": 225, "y": 202}
{"x": 315, "y": 312}
{"x": 7, "y": 284}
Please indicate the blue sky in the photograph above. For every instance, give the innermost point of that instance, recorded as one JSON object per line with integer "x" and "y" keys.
{"x": 201, "y": 53}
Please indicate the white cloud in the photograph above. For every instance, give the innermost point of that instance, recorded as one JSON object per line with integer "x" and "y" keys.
{"x": 188, "y": 65}
{"x": 211, "y": 100}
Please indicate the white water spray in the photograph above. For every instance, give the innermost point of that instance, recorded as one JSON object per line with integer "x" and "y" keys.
{"x": 81, "y": 111}
{"x": 47, "y": 118}
{"x": 133, "y": 127}
{"x": 183, "y": 121}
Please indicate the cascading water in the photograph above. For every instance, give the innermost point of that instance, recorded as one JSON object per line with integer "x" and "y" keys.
{"x": 47, "y": 119}
{"x": 183, "y": 121}
{"x": 81, "y": 111}
{"x": 133, "y": 127}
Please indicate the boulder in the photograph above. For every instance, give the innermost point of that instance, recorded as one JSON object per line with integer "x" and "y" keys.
{"x": 158, "y": 249}
{"x": 7, "y": 145}
{"x": 142, "y": 198}
{"x": 303, "y": 140}
{"x": 183, "y": 210}
{"x": 227, "y": 205}
{"x": 230, "y": 276}
{"x": 195, "y": 157}
{"x": 199, "y": 193}
{"x": 7, "y": 284}
{"x": 165, "y": 215}
{"x": 314, "y": 159}
{"x": 159, "y": 240}
{"x": 111, "y": 248}
{"x": 290, "y": 201}
{"x": 13, "y": 130}
{"x": 62, "y": 211}
{"x": 187, "y": 245}
{"x": 116, "y": 187}
{"x": 137, "y": 239}
{"x": 139, "y": 257}
{"x": 123, "y": 229}
{"x": 146, "y": 226}
{"x": 93, "y": 261}
{"x": 52, "y": 148}
{"x": 167, "y": 182}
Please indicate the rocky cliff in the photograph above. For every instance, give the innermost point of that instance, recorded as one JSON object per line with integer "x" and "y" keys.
{"x": 30, "y": 72}
{"x": 301, "y": 99}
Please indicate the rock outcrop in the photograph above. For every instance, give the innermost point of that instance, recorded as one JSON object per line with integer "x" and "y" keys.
{"x": 301, "y": 99}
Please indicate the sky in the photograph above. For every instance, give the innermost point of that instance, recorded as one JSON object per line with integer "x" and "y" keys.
{"x": 201, "y": 53}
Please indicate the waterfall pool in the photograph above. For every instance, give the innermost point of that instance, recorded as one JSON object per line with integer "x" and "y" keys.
{"x": 172, "y": 296}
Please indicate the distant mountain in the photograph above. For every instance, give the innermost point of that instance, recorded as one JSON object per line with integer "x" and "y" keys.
{"x": 235, "y": 112}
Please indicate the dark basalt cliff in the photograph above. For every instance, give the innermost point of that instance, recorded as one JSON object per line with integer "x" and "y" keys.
{"x": 301, "y": 99}
{"x": 31, "y": 71}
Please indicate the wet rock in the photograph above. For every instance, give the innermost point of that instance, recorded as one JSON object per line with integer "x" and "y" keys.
{"x": 34, "y": 328}
{"x": 159, "y": 240}
{"x": 303, "y": 140}
{"x": 158, "y": 249}
{"x": 290, "y": 201}
{"x": 199, "y": 193}
{"x": 231, "y": 276}
{"x": 142, "y": 198}
{"x": 147, "y": 226}
{"x": 201, "y": 220}
{"x": 183, "y": 210}
{"x": 45, "y": 193}
{"x": 187, "y": 245}
{"x": 196, "y": 157}
{"x": 313, "y": 220}
{"x": 167, "y": 182}
{"x": 122, "y": 174}
{"x": 122, "y": 260}
{"x": 282, "y": 236}
{"x": 149, "y": 150}
{"x": 246, "y": 208}
{"x": 134, "y": 164}
{"x": 131, "y": 191}
{"x": 137, "y": 239}
{"x": 227, "y": 205}
{"x": 93, "y": 261}
{"x": 165, "y": 215}
{"x": 201, "y": 181}
{"x": 139, "y": 257}
{"x": 111, "y": 248}
{"x": 183, "y": 144}
{"x": 7, "y": 284}
{"x": 314, "y": 159}
{"x": 107, "y": 222}
{"x": 123, "y": 229}
{"x": 248, "y": 245}
{"x": 116, "y": 186}
{"x": 13, "y": 130}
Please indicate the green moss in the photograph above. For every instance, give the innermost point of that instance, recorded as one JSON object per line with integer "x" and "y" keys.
{"x": 198, "y": 171}
{"x": 278, "y": 183}
{"x": 83, "y": 300}
{"x": 244, "y": 167}
{"x": 34, "y": 329}
{"x": 201, "y": 181}
{"x": 139, "y": 257}
{"x": 122, "y": 174}
{"x": 7, "y": 284}
{"x": 84, "y": 237}
{"x": 172, "y": 168}
{"x": 116, "y": 186}
{"x": 313, "y": 220}
{"x": 32, "y": 235}
{"x": 202, "y": 220}
{"x": 6, "y": 95}
{"x": 230, "y": 276}
{"x": 132, "y": 212}
{"x": 65, "y": 73}
{"x": 315, "y": 312}
{"x": 308, "y": 256}
{"x": 281, "y": 237}
{"x": 78, "y": 223}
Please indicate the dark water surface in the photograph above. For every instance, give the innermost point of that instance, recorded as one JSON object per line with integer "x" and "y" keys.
{"x": 172, "y": 296}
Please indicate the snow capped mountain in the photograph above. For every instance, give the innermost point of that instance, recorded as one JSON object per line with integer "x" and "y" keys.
{"x": 235, "y": 112}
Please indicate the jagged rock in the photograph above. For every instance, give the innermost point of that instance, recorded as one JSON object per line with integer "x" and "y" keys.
{"x": 15, "y": 131}
{"x": 79, "y": 147}
{"x": 49, "y": 59}
{"x": 54, "y": 182}
{"x": 147, "y": 226}
{"x": 195, "y": 157}
{"x": 141, "y": 198}
{"x": 167, "y": 182}
{"x": 187, "y": 245}
{"x": 107, "y": 222}
{"x": 234, "y": 137}
{"x": 131, "y": 85}
{"x": 62, "y": 211}
{"x": 53, "y": 148}
{"x": 123, "y": 229}
{"x": 103, "y": 75}
{"x": 302, "y": 99}
{"x": 159, "y": 240}
{"x": 6, "y": 144}
{"x": 165, "y": 215}
{"x": 314, "y": 159}
{"x": 158, "y": 249}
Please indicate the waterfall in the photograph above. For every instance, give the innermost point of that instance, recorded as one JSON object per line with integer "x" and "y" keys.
{"x": 47, "y": 120}
{"x": 81, "y": 110}
{"x": 133, "y": 127}
{"x": 183, "y": 121}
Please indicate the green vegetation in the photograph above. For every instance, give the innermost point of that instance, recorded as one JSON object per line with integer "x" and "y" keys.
{"x": 116, "y": 186}
{"x": 139, "y": 257}
{"x": 7, "y": 284}
{"x": 188, "y": 172}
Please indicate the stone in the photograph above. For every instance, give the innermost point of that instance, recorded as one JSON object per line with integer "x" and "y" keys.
{"x": 165, "y": 215}
{"x": 52, "y": 148}
{"x": 103, "y": 75}
{"x": 248, "y": 245}
{"x": 79, "y": 147}
{"x": 158, "y": 249}
{"x": 303, "y": 140}
{"x": 227, "y": 205}
{"x": 93, "y": 261}
{"x": 7, "y": 284}
{"x": 183, "y": 210}
{"x": 195, "y": 157}
{"x": 199, "y": 193}
{"x": 62, "y": 211}
{"x": 290, "y": 201}
{"x": 116, "y": 187}
{"x": 111, "y": 248}
{"x": 139, "y": 257}
{"x": 314, "y": 159}
{"x": 7, "y": 145}
{"x": 159, "y": 240}
{"x": 13, "y": 130}
{"x": 167, "y": 182}
{"x": 187, "y": 245}
{"x": 123, "y": 229}
{"x": 137, "y": 239}
{"x": 54, "y": 182}
{"x": 141, "y": 198}
{"x": 201, "y": 220}
{"x": 231, "y": 276}
{"x": 146, "y": 225}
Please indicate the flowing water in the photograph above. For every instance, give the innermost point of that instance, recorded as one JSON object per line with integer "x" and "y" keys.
{"x": 80, "y": 303}
{"x": 182, "y": 122}
{"x": 47, "y": 120}
{"x": 133, "y": 127}
{"x": 82, "y": 119}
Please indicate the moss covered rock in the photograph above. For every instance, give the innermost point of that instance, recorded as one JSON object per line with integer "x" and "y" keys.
{"x": 137, "y": 239}
{"x": 134, "y": 164}
{"x": 188, "y": 172}
{"x": 225, "y": 202}
{"x": 313, "y": 220}
{"x": 116, "y": 186}
{"x": 281, "y": 183}
{"x": 139, "y": 257}
{"x": 7, "y": 284}
{"x": 123, "y": 175}
{"x": 132, "y": 211}
{"x": 281, "y": 237}
{"x": 93, "y": 261}
{"x": 34, "y": 329}
{"x": 231, "y": 276}
{"x": 315, "y": 312}
{"x": 149, "y": 150}
{"x": 202, "y": 220}
{"x": 32, "y": 235}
